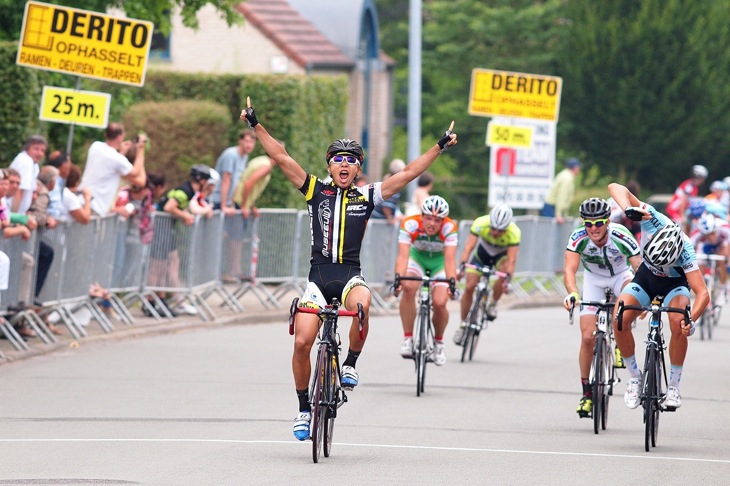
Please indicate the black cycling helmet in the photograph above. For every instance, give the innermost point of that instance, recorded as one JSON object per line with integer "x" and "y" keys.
{"x": 595, "y": 208}
{"x": 344, "y": 146}
{"x": 200, "y": 172}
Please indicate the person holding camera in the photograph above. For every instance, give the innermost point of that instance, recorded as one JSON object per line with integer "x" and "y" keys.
{"x": 106, "y": 165}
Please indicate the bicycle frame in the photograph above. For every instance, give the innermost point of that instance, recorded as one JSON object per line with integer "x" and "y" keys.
{"x": 423, "y": 334}
{"x": 711, "y": 315}
{"x": 655, "y": 373}
{"x": 476, "y": 319}
{"x": 326, "y": 394}
{"x": 602, "y": 373}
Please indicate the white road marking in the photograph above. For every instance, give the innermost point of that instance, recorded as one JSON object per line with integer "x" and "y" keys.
{"x": 389, "y": 446}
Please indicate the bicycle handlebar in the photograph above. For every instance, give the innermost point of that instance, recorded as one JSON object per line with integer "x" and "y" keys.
{"x": 648, "y": 308}
{"x": 333, "y": 309}
{"x": 425, "y": 279}
{"x": 486, "y": 270}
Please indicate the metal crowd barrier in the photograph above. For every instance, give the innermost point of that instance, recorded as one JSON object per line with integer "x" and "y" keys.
{"x": 255, "y": 254}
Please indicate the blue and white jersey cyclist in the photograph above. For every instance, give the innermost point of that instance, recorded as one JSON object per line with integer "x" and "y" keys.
{"x": 669, "y": 269}
{"x": 338, "y": 215}
{"x": 609, "y": 254}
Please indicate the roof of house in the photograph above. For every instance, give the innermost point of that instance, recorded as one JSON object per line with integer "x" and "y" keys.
{"x": 295, "y": 35}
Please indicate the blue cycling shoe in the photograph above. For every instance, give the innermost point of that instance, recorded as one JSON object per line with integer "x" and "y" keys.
{"x": 349, "y": 377}
{"x": 301, "y": 425}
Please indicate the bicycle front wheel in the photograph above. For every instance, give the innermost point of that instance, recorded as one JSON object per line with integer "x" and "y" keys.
{"x": 333, "y": 392}
{"x": 470, "y": 334}
{"x": 597, "y": 385}
{"x": 421, "y": 352}
{"x": 651, "y": 410}
{"x": 319, "y": 403}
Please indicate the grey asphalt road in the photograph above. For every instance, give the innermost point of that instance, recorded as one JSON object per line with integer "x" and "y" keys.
{"x": 214, "y": 406}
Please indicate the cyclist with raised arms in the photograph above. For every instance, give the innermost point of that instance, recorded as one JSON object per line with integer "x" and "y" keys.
{"x": 426, "y": 243}
{"x": 669, "y": 268}
{"x": 712, "y": 237}
{"x": 338, "y": 216}
{"x": 609, "y": 254}
{"x": 497, "y": 241}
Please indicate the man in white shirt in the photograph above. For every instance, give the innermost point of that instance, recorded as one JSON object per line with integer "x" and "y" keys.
{"x": 26, "y": 163}
{"x": 106, "y": 164}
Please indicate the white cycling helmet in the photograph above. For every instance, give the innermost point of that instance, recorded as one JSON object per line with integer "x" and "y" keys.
{"x": 699, "y": 171}
{"x": 500, "y": 217}
{"x": 706, "y": 224}
{"x": 435, "y": 206}
{"x": 665, "y": 246}
{"x": 718, "y": 186}
{"x": 214, "y": 178}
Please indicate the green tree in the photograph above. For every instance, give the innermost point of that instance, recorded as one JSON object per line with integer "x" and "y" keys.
{"x": 459, "y": 35}
{"x": 156, "y": 11}
{"x": 647, "y": 86}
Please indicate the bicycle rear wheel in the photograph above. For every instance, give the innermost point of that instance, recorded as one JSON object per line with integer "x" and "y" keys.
{"x": 597, "y": 386}
{"x": 319, "y": 403}
{"x": 333, "y": 393}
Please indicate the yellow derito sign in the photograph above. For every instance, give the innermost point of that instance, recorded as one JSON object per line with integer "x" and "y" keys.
{"x": 514, "y": 95}
{"x": 88, "y": 108}
{"x": 509, "y": 136}
{"x": 84, "y": 43}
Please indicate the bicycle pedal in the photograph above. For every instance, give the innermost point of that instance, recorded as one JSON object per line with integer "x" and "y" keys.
{"x": 668, "y": 409}
{"x": 582, "y": 414}
{"x": 348, "y": 388}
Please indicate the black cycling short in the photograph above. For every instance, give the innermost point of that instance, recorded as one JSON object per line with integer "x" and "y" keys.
{"x": 654, "y": 285}
{"x": 482, "y": 258}
{"x": 331, "y": 278}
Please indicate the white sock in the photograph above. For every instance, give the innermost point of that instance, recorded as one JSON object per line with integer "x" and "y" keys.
{"x": 632, "y": 367}
{"x": 675, "y": 375}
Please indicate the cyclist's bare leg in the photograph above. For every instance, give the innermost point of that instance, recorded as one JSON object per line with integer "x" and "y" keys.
{"x": 722, "y": 267}
{"x": 625, "y": 338}
{"x": 678, "y": 341}
{"x": 305, "y": 332}
{"x": 407, "y": 304}
{"x": 587, "y": 342}
{"x": 361, "y": 294}
{"x": 498, "y": 289}
{"x": 439, "y": 298}
{"x": 467, "y": 297}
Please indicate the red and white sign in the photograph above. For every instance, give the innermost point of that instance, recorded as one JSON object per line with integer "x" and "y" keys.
{"x": 522, "y": 177}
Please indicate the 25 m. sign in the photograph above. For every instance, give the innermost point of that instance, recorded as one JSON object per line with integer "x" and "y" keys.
{"x": 88, "y": 108}
{"x": 514, "y": 95}
{"x": 84, "y": 43}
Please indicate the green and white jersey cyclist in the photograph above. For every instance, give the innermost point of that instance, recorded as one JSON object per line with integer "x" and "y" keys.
{"x": 609, "y": 254}
{"x": 338, "y": 215}
{"x": 494, "y": 241}
{"x": 427, "y": 243}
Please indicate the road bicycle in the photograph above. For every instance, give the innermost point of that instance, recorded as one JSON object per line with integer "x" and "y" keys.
{"x": 325, "y": 391}
{"x": 423, "y": 335}
{"x": 476, "y": 319}
{"x": 654, "y": 379}
{"x": 711, "y": 316}
{"x": 602, "y": 375}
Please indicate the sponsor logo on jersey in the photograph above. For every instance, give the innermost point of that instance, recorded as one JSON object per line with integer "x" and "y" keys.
{"x": 328, "y": 192}
{"x": 357, "y": 207}
{"x": 325, "y": 216}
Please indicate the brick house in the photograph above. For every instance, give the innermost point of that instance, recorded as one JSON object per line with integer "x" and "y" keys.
{"x": 302, "y": 37}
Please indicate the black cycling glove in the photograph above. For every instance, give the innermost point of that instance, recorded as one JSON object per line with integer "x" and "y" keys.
{"x": 444, "y": 142}
{"x": 250, "y": 116}
{"x": 633, "y": 213}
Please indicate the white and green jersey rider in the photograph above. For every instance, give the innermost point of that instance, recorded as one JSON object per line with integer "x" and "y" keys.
{"x": 610, "y": 259}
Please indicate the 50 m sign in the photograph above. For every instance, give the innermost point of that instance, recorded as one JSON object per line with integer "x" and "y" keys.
{"x": 84, "y": 43}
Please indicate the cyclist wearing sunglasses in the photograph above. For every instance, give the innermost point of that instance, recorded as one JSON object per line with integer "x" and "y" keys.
{"x": 494, "y": 240}
{"x": 669, "y": 268}
{"x": 609, "y": 255}
{"x": 338, "y": 216}
{"x": 426, "y": 243}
